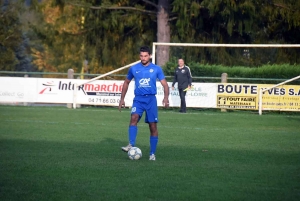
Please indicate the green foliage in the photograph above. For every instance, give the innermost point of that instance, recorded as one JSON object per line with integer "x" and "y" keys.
{"x": 86, "y": 30}
{"x": 240, "y": 22}
{"x": 108, "y": 33}
{"x": 284, "y": 71}
{"x": 10, "y": 34}
{"x": 279, "y": 21}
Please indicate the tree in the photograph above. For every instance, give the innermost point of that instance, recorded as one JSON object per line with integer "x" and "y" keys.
{"x": 109, "y": 33}
{"x": 98, "y": 36}
{"x": 190, "y": 21}
{"x": 163, "y": 31}
{"x": 121, "y": 22}
{"x": 10, "y": 35}
{"x": 243, "y": 22}
{"x": 22, "y": 54}
{"x": 14, "y": 41}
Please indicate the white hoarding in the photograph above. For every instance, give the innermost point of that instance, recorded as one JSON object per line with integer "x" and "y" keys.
{"x": 100, "y": 92}
{"x": 14, "y": 90}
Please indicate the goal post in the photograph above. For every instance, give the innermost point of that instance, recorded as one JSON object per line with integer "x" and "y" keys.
{"x": 220, "y": 45}
{"x": 206, "y": 93}
{"x": 96, "y": 78}
{"x": 261, "y": 91}
{"x": 242, "y": 55}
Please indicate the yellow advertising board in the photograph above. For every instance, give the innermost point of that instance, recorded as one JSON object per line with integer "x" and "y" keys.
{"x": 237, "y": 102}
{"x": 286, "y": 97}
{"x": 246, "y": 96}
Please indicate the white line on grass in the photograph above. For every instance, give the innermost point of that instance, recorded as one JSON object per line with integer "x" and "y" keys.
{"x": 164, "y": 111}
{"x": 46, "y": 122}
{"x": 145, "y": 125}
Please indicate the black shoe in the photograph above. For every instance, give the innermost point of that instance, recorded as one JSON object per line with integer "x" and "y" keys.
{"x": 182, "y": 111}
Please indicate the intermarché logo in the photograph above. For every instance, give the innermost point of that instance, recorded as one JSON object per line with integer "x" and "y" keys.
{"x": 48, "y": 87}
{"x": 86, "y": 88}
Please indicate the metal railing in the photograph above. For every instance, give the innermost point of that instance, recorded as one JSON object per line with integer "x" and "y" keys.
{"x": 122, "y": 76}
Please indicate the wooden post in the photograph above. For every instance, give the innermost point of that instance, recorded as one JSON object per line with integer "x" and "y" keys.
{"x": 25, "y": 103}
{"x": 224, "y": 80}
{"x": 70, "y": 76}
{"x": 78, "y": 105}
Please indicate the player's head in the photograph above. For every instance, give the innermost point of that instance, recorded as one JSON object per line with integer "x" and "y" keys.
{"x": 180, "y": 62}
{"x": 145, "y": 55}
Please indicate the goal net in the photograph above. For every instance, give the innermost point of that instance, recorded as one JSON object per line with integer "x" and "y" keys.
{"x": 250, "y": 67}
{"x": 280, "y": 97}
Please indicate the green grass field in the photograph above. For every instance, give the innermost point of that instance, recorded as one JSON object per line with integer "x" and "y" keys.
{"x": 55, "y": 153}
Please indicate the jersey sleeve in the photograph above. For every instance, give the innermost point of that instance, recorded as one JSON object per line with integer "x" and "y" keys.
{"x": 175, "y": 78}
{"x": 160, "y": 74}
{"x": 129, "y": 74}
{"x": 189, "y": 76}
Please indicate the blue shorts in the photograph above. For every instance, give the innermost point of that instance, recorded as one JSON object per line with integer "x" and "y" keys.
{"x": 146, "y": 104}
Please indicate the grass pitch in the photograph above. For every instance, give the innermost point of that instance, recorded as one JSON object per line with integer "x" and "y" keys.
{"x": 52, "y": 153}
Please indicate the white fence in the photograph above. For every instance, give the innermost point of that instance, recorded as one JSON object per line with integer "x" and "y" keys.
{"x": 99, "y": 92}
{"x": 107, "y": 93}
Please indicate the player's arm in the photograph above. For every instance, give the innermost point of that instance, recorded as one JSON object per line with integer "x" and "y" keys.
{"x": 189, "y": 75}
{"x": 166, "y": 92}
{"x": 124, "y": 91}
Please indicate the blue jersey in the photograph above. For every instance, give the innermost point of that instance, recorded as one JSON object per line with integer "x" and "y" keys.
{"x": 145, "y": 78}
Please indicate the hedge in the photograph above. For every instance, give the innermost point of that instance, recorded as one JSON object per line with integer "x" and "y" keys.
{"x": 279, "y": 71}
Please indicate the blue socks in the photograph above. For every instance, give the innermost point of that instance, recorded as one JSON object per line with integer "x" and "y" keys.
{"x": 153, "y": 144}
{"x": 132, "y": 133}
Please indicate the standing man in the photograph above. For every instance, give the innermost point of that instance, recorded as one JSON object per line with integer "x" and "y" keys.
{"x": 183, "y": 76}
{"x": 145, "y": 75}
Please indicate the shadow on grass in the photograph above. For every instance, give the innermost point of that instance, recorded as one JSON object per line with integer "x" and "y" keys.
{"x": 297, "y": 119}
{"x": 48, "y": 170}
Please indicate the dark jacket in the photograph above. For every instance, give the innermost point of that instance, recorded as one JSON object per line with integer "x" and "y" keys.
{"x": 183, "y": 76}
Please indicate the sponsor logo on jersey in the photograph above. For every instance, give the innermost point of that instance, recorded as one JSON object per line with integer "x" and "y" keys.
{"x": 133, "y": 109}
{"x": 144, "y": 82}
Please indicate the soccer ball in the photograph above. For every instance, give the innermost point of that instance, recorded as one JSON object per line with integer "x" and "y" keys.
{"x": 135, "y": 153}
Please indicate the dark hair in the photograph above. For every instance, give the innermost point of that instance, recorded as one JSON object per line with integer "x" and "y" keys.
{"x": 145, "y": 49}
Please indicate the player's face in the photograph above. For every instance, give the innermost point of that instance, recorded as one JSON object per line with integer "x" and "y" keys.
{"x": 145, "y": 58}
{"x": 180, "y": 62}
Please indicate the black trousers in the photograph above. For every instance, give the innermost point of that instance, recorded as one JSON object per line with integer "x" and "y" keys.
{"x": 182, "y": 98}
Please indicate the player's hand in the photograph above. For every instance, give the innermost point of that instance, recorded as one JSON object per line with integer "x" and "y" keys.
{"x": 173, "y": 88}
{"x": 121, "y": 104}
{"x": 165, "y": 102}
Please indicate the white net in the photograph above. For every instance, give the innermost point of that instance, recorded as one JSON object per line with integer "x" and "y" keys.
{"x": 249, "y": 68}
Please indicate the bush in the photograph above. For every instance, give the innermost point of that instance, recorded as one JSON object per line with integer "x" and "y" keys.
{"x": 278, "y": 71}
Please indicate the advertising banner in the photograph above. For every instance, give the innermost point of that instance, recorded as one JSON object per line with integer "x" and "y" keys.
{"x": 245, "y": 96}
{"x": 100, "y": 92}
{"x": 200, "y": 95}
{"x": 13, "y": 90}
{"x": 237, "y": 96}
{"x": 108, "y": 93}
{"x": 286, "y": 97}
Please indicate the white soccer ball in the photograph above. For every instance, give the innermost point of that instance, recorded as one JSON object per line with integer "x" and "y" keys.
{"x": 135, "y": 153}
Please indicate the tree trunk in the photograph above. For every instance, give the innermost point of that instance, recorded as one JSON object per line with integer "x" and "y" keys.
{"x": 163, "y": 32}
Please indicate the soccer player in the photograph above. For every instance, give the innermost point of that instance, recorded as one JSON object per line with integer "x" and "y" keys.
{"x": 183, "y": 76}
{"x": 145, "y": 75}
